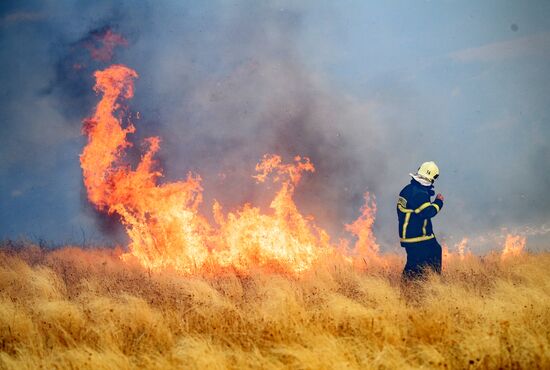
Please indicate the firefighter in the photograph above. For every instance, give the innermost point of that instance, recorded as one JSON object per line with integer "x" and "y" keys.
{"x": 414, "y": 212}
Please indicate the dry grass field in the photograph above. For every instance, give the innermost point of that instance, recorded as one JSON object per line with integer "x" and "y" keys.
{"x": 85, "y": 309}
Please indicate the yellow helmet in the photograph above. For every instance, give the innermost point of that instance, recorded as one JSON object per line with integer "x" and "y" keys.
{"x": 428, "y": 171}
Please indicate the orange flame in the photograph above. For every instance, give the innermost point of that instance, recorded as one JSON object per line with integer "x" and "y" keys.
{"x": 103, "y": 44}
{"x": 285, "y": 238}
{"x": 445, "y": 254}
{"x": 362, "y": 228}
{"x": 513, "y": 246}
{"x": 163, "y": 221}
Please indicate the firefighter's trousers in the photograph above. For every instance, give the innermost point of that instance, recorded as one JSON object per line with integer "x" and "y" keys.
{"x": 422, "y": 257}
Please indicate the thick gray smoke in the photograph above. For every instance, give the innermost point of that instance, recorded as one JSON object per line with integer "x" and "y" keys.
{"x": 223, "y": 83}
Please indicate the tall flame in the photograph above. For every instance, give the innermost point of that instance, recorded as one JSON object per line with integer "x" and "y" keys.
{"x": 163, "y": 221}
{"x": 362, "y": 228}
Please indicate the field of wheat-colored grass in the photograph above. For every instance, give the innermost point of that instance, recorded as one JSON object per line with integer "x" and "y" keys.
{"x": 85, "y": 309}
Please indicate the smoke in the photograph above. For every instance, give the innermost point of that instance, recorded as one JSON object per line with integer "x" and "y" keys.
{"x": 238, "y": 88}
{"x": 259, "y": 97}
{"x": 222, "y": 83}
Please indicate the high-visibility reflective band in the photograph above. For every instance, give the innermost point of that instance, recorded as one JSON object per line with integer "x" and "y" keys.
{"x": 422, "y": 207}
{"x": 424, "y": 227}
{"x": 405, "y": 224}
{"x": 404, "y": 210}
{"x": 426, "y": 205}
{"x": 417, "y": 239}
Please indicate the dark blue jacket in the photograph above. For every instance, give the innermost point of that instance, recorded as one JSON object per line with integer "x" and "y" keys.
{"x": 414, "y": 212}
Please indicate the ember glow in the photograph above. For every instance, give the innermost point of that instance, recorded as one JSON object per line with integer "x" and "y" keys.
{"x": 162, "y": 219}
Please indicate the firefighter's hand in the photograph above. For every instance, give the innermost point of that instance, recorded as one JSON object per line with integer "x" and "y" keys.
{"x": 440, "y": 197}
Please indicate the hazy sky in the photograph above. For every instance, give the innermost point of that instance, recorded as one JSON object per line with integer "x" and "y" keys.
{"x": 368, "y": 90}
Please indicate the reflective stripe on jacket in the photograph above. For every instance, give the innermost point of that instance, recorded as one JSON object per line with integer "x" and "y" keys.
{"x": 414, "y": 212}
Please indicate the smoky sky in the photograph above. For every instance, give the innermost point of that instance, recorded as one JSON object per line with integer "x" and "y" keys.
{"x": 367, "y": 91}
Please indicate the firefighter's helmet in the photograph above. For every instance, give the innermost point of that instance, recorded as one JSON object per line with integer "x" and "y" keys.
{"x": 428, "y": 171}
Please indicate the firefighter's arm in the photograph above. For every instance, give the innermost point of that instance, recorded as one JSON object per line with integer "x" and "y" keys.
{"x": 429, "y": 209}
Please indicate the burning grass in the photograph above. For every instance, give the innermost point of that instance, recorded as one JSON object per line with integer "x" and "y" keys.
{"x": 75, "y": 308}
{"x": 163, "y": 221}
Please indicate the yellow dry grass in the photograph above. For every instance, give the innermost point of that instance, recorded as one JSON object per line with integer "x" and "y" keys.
{"x": 85, "y": 309}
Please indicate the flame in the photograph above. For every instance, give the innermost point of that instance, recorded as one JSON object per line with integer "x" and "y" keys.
{"x": 446, "y": 255}
{"x": 102, "y": 45}
{"x": 286, "y": 237}
{"x": 513, "y": 246}
{"x": 362, "y": 228}
{"x": 461, "y": 248}
{"x": 162, "y": 220}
